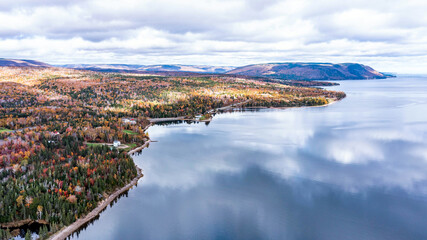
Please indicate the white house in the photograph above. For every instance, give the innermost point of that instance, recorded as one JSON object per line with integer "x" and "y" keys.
{"x": 116, "y": 143}
{"x": 129, "y": 121}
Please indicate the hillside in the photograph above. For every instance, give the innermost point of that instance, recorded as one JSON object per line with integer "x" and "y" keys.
{"x": 58, "y": 126}
{"x": 286, "y": 71}
{"x": 149, "y": 68}
{"x": 310, "y": 71}
{"x": 21, "y": 63}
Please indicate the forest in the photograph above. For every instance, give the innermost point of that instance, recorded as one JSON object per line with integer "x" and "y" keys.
{"x": 57, "y": 127}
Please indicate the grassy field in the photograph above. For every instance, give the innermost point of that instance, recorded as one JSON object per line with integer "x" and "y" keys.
{"x": 94, "y": 144}
{"x": 129, "y": 132}
{"x": 130, "y": 146}
{"x": 2, "y": 130}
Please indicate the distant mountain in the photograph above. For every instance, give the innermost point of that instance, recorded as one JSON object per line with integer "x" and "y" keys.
{"x": 309, "y": 71}
{"x": 150, "y": 68}
{"x": 287, "y": 71}
{"x": 21, "y": 63}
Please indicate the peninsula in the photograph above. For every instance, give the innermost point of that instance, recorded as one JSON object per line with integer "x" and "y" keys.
{"x": 66, "y": 134}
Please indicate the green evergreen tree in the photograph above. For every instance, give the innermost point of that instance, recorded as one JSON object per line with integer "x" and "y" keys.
{"x": 28, "y": 235}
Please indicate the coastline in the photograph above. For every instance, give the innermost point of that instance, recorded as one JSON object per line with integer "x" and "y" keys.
{"x": 325, "y": 105}
{"x": 139, "y": 148}
{"x": 65, "y": 232}
{"x": 183, "y": 118}
{"x": 260, "y": 107}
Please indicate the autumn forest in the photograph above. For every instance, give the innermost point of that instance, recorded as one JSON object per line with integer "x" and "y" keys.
{"x": 58, "y": 126}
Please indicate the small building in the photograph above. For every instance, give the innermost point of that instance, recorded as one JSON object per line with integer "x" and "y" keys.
{"x": 54, "y": 134}
{"x": 129, "y": 121}
{"x": 116, "y": 143}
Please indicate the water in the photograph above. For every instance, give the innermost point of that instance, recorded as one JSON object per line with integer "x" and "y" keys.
{"x": 356, "y": 169}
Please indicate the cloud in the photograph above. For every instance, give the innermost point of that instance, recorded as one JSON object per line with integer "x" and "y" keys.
{"x": 218, "y": 32}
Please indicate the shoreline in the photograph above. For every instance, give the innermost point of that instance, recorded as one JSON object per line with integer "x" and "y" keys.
{"x": 64, "y": 233}
{"x": 325, "y": 105}
{"x": 139, "y": 148}
{"x": 183, "y": 118}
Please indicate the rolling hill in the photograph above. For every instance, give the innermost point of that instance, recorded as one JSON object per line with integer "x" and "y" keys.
{"x": 310, "y": 71}
{"x": 150, "y": 68}
{"x": 285, "y": 71}
{"x": 21, "y": 63}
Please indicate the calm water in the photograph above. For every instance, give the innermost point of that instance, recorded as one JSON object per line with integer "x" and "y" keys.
{"x": 356, "y": 169}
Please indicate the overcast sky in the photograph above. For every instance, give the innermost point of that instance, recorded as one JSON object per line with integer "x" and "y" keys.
{"x": 390, "y": 35}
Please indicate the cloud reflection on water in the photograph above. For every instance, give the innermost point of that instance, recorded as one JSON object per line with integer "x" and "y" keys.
{"x": 290, "y": 144}
{"x": 353, "y": 170}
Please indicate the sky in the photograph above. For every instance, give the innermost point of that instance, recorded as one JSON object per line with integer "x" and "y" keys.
{"x": 389, "y": 35}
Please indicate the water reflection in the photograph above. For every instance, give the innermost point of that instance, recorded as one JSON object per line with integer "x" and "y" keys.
{"x": 353, "y": 170}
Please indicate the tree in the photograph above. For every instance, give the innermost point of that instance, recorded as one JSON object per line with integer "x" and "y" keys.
{"x": 39, "y": 211}
{"x": 28, "y": 235}
{"x": 20, "y": 200}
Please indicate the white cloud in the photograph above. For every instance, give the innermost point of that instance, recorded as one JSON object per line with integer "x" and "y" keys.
{"x": 384, "y": 34}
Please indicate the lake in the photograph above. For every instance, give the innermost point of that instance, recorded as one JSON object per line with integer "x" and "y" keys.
{"x": 356, "y": 169}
